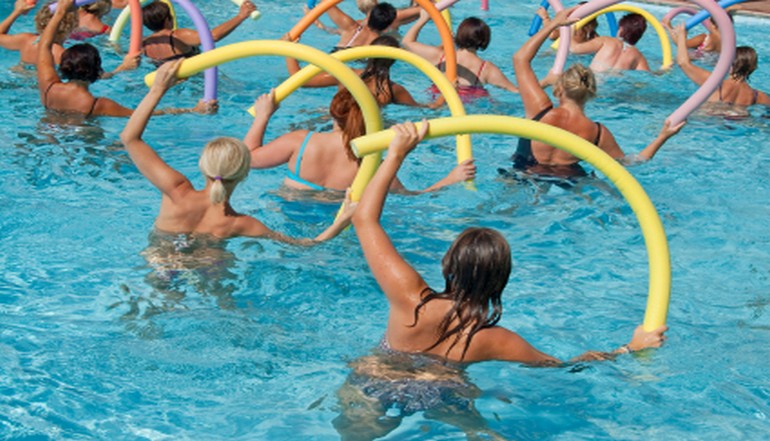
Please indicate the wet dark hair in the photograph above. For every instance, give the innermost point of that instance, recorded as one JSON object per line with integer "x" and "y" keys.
{"x": 155, "y": 15}
{"x": 378, "y": 69}
{"x": 633, "y": 26}
{"x": 346, "y": 112}
{"x": 476, "y": 269}
{"x": 745, "y": 63}
{"x": 382, "y": 16}
{"x": 473, "y": 33}
{"x": 81, "y": 62}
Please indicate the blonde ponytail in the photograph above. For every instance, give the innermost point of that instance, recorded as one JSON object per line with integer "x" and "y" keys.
{"x": 224, "y": 160}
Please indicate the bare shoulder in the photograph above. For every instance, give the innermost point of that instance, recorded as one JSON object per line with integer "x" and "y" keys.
{"x": 244, "y": 225}
{"x": 498, "y": 343}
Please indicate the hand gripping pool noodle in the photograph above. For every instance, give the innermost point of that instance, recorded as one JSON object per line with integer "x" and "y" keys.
{"x": 652, "y": 228}
{"x": 454, "y": 103}
{"x": 346, "y": 77}
{"x": 677, "y": 11}
{"x": 665, "y": 44}
{"x": 447, "y": 40}
{"x": 704, "y": 14}
{"x": 254, "y": 15}
{"x": 536, "y": 20}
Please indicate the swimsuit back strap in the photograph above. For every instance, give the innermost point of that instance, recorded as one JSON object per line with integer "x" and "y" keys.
{"x": 295, "y": 175}
{"x": 481, "y": 68}
{"x": 598, "y": 134}
{"x": 45, "y": 94}
{"x": 93, "y": 106}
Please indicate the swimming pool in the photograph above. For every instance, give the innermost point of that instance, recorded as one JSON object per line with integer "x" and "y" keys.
{"x": 96, "y": 344}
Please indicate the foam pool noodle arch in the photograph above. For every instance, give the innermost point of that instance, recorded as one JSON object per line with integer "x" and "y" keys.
{"x": 346, "y": 76}
{"x": 711, "y": 84}
{"x": 453, "y": 100}
{"x": 659, "y": 259}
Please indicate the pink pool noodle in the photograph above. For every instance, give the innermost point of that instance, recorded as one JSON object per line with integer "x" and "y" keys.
{"x": 705, "y": 90}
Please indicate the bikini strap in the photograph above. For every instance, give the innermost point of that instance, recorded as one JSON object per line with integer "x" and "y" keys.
{"x": 93, "y": 106}
{"x": 598, "y": 134}
{"x": 481, "y": 68}
{"x": 754, "y": 96}
{"x": 301, "y": 153}
{"x": 45, "y": 94}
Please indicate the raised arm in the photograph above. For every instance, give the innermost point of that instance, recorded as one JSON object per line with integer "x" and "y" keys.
{"x": 665, "y": 134}
{"x": 169, "y": 181}
{"x": 192, "y": 38}
{"x": 343, "y": 21}
{"x": 46, "y": 67}
{"x": 587, "y": 47}
{"x": 401, "y": 284}
{"x": 14, "y": 42}
{"x": 409, "y": 41}
{"x": 697, "y": 74}
{"x": 276, "y": 152}
{"x": 532, "y": 94}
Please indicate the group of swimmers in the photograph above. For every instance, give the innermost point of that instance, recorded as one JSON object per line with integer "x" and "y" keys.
{"x": 457, "y": 323}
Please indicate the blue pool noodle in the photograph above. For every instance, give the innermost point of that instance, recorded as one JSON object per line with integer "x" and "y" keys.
{"x": 704, "y": 14}
{"x": 536, "y": 20}
{"x": 613, "y": 24}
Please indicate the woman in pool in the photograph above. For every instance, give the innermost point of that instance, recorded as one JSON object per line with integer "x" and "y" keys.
{"x": 458, "y": 324}
{"x": 734, "y": 90}
{"x": 166, "y": 43}
{"x": 81, "y": 66}
{"x": 27, "y": 43}
{"x": 376, "y": 75}
{"x": 90, "y": 22}
{"x": 573, "y": 89}
{"x": 323, "y": 160}
{"x": 224, "y": 162}
{"x": 473, "y": 72}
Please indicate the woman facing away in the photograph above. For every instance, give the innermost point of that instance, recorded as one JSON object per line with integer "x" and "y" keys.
{"x": 28, "y": 44}
{"x": 224, "y": 162}
{"x": 81, "y": 65}
{"x": 344, "y": 22}
{"x": 573, "y": 89}
{"x": 473, "y": 73}
{"x": 90, "y": 22}
{"x": 459, "y": 323}
{"x": 376, "y": 75}
{"x": 323, "y": 160}
{"x": 735, "y": 89}
{"x": 166, "y": 43}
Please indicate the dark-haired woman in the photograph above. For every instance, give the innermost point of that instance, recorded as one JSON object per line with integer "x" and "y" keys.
{"x": 460, "y": 322}
{"x": 80, "y": 65}
{"x": 376, "y": 75}
{"x": 573, "y": 89}
{"x": 322, "y": 160}
{"x": 735, "y": 89}
{"x": 473, "y": 73}
{"x": 166, "y": 43}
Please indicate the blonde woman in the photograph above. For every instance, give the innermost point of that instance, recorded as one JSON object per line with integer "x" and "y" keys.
{"x": 224, "y": 162}
{"x": 573, "y": 89}
{"x": 26, "y": 43}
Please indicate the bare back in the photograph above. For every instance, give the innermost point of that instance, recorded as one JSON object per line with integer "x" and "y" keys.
{"x": 617, "y": 55}
{"x": 324, "y": 162}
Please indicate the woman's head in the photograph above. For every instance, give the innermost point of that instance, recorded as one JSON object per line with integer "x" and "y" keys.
{"x": 576, "y": 83}
{"x": 476, "y": 269}
{"x": 99, "y": 8}
{"x": 382, "y": 16}
{"x": 66, "y": 26}
{"x": 588, "y": 31}
{"x": 224, "y": 161}
{"x": 379, "y": 69}
{"x": 347, "y": 114}
{"x": 745, "y": 63}
{"x": 156, "y": 16}
{"x": 631, "y": 27}
{"x": 473, "y": 34}
{"x": 81, "y": 62}
{"x": 366, "y": 6}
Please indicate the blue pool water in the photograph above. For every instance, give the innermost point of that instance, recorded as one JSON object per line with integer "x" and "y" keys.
{"x": 95, "y": 343}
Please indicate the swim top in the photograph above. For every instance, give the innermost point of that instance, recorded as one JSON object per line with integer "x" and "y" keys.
{"x": 48, "y": 89}
{"x": 473, "y": 79}
{"x": 350, "y": 42}
{"x": 754, "y": 96}
{"x": 523, "y": 159}
{"x": 294, "y": 175}
{"x": 194, "y": 50}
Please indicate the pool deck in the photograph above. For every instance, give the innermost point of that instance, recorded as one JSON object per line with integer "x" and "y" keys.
{"x": 757, "y": 7}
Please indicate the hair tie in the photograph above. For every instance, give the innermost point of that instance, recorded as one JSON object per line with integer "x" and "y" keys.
{"x": 217, "y": 178}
